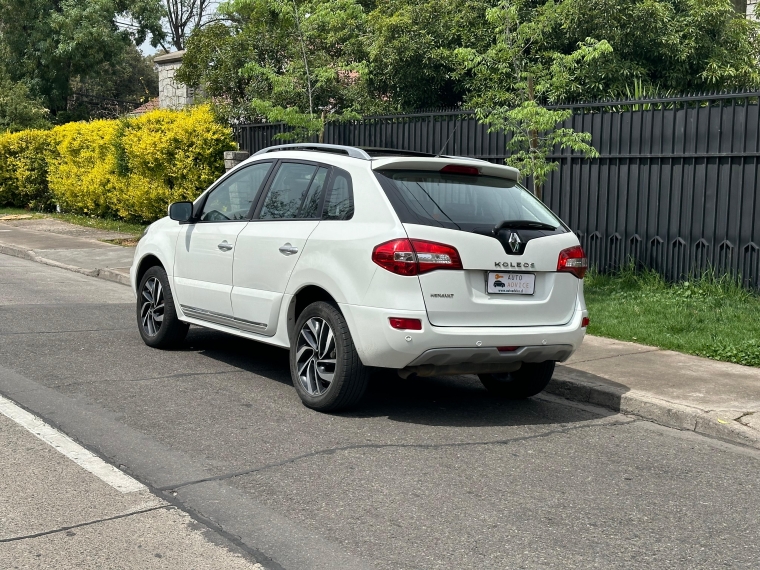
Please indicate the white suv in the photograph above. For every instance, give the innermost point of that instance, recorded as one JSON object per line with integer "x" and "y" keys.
{"x": 356, "y": 258}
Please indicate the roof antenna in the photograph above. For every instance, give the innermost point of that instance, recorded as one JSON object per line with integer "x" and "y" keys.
{"x": 447, "y": 140}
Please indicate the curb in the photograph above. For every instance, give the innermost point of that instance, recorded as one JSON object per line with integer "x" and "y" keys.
{"x": 579, "y": 386}
{"x": 106, "y": 274}
{"x": 567, "y": 383}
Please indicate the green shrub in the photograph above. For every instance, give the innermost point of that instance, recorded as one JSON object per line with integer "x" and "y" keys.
{"x": 24, "y": 169}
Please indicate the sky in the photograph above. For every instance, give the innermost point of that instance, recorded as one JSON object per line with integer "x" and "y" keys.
{"x": 148, "y": 49}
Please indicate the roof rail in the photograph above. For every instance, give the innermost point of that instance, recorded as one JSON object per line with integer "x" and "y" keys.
{"x": 364, "y": 153}
{"x": 351, "y": 151}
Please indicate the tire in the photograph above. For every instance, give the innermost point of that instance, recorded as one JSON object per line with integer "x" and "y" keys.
{"x": 527, "y": 381}
{"x": 156, "y": 315}
{"x": 326, "y": 370}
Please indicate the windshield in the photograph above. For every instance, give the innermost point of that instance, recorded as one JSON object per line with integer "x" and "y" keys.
{"x": 461, "y": 201}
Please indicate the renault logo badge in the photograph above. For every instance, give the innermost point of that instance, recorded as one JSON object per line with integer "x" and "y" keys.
{"x": 514, "y": 242}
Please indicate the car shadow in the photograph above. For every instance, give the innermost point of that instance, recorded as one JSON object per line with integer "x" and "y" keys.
{"x": 455, "y": 401}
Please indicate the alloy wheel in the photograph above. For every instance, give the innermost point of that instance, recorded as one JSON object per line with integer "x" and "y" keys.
{"x": 152, "y": 308}
{"x": 316, "y": 356}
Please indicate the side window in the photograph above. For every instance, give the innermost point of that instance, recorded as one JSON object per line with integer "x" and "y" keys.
{"x": 339, "y": 203}
{"x": 310, "y": 207}
{"x": 295, "y": 192}
{"x": 232, "y": 199}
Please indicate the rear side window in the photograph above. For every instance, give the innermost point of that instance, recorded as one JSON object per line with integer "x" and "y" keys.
{"x": 339, "y": 202}
{"x": 460, "y": 201}
{"x": 295, "y": 192}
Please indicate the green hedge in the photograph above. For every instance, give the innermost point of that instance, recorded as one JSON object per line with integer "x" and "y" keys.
{"x": 128, "y": 169}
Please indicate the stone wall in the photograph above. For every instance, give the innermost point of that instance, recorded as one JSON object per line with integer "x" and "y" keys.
{"x": 751, "y": 8}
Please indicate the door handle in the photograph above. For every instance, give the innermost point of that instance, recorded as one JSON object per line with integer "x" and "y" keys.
{"x": 224, "y": 246}
{"x": 288, "y": 249}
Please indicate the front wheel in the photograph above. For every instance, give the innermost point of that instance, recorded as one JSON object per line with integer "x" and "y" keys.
{"x": 530, "y": 379}
{"x": 324, "y": 365}
{"x": 156, "y": 316}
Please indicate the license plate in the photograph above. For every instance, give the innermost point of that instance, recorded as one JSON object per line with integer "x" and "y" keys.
{"x": 511, "y": 283}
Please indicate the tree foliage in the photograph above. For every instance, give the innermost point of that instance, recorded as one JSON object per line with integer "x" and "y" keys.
{"x": 510, "y": 80}
{"x": 48, "y": 42}
{"x": 409, "y": 54}
{"x": 411, "y": 49}
{"x": 18, "y": 109}
{"x": 299, "y": 62}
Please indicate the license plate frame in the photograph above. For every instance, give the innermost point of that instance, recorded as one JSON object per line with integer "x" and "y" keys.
{"x": 512, "y": 283}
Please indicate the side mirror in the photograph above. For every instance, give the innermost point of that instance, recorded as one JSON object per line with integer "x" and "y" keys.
{"x": 181, "y": 211}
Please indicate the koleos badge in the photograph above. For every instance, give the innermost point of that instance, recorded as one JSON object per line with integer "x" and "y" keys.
{"x": 514, "y": 242}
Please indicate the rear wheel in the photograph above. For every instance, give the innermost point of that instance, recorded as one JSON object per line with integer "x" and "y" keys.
{"x": 324, "y": 365}
{"x": 156, "y": 316}
{"x": 528, "y": 380}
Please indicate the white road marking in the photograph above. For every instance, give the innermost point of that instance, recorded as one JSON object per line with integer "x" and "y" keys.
{"x": 68, "y": 447}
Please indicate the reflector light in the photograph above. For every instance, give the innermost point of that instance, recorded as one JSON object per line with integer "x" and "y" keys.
{"x": 573, "y": 260}
{"x": 507, "y": 348}
{"x": 405, "y": 324}
{"x": 459, "y": 169}
{"x": 416, "y": 256}
{"x": 585, "y": 322}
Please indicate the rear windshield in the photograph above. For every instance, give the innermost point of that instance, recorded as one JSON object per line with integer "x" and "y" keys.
{"x": 460, "y": 201}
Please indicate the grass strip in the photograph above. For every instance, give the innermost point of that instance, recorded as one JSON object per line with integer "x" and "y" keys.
{"x": 87, "y": 221}
{"x": 708, "y": 316}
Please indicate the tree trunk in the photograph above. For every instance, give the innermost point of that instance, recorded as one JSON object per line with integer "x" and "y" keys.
{"x": 537, "y": 190}
{"x": 322, "y": 128}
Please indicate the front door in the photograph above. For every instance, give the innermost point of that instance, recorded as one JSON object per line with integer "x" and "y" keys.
{"x": 270, "y": 245}
{"x": 206, "y": 247}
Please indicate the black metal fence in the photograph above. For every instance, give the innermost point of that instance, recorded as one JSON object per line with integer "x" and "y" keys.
{"x": 675, "y": 186}
{"x": 97, "y": 107}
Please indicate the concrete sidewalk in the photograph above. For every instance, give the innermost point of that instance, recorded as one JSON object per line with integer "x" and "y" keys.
{"x": 63, "y": 507}
{"x": 83, "y": 253}
{"x": 676, "y": 390}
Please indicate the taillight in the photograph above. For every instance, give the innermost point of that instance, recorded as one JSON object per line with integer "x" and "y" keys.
{"x": 585, "y": 322}
{"x": 573, "y": 260}
{"x": 397, "y": 256}
{"x": 415, "y": 256}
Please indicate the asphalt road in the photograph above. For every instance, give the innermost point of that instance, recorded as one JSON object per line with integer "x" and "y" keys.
{"x": 428, "y": 474}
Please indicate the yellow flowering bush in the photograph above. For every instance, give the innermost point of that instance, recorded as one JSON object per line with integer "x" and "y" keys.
{"x": 82, "y": 175}
{"x": 130, "y": 168}
{"x": 169, "y": 156}
{"x": 23, "y": 169}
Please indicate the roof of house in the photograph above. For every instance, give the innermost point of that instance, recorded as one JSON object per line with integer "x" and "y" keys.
{"x": 151, "y": 105}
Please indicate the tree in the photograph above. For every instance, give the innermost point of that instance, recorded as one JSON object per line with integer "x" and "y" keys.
{"x": 516, "y": 75}
{"x": 129, "y": 76}
{"x": 669, "y": 45}
{"x": 182, "y": 18}
{"x": 18, "y": 109}
{"x": 411, "y": 49}
{"x": 298, "y": 62}
{"x": 49, "y": 42}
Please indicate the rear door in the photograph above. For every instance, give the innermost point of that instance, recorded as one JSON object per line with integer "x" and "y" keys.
{"x": 462, "y": 211}
{"x": 271, "y": 244}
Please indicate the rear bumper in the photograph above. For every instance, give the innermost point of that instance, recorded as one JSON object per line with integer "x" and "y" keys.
{"x": 382, "y": 346}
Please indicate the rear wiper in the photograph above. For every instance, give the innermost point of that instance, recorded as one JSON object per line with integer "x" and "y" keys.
{"x": 521, "y": 225}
